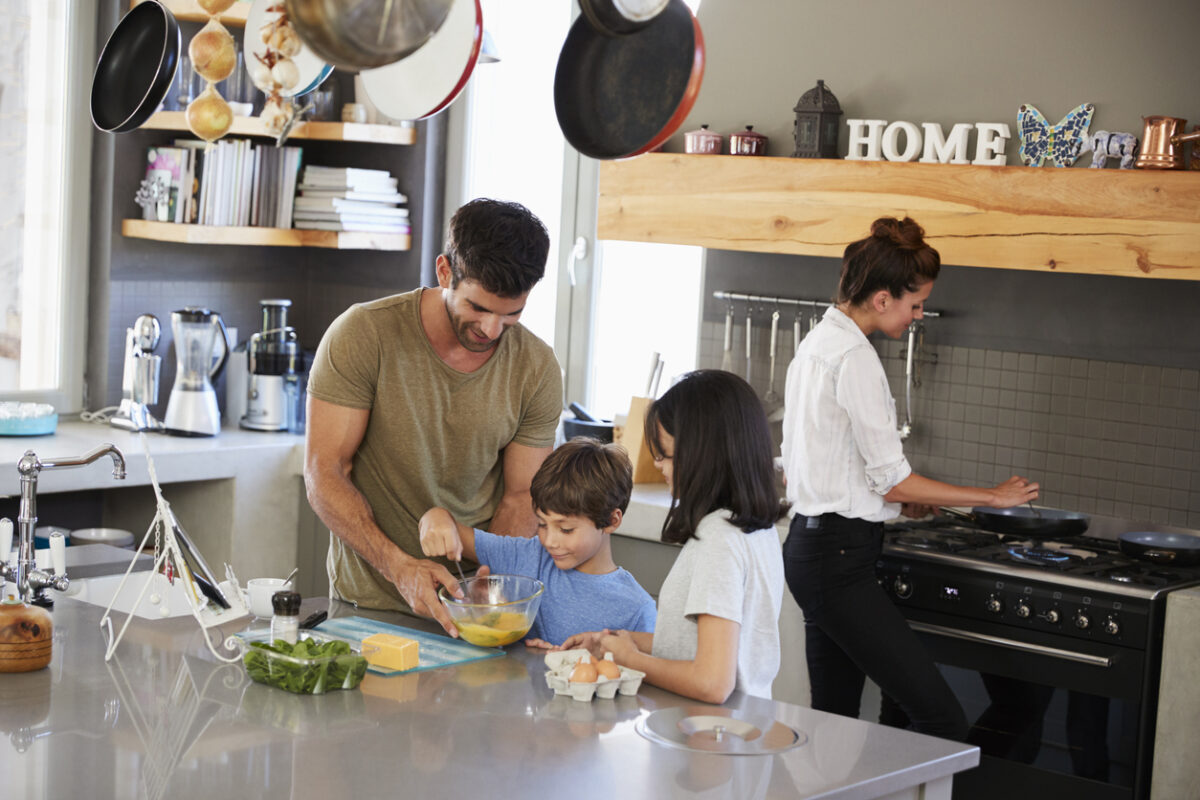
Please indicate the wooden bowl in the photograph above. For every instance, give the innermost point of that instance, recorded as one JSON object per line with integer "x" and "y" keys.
{"x": 26, "y": 637}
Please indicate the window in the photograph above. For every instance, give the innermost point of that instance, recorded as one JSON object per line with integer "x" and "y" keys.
{"x": 45, "y": 156}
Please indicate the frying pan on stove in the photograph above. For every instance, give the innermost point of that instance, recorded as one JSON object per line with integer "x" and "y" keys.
{"x": 621, "y": 96}
{"x": 1178, "y": 549}
{"x": 1039, "y": 523}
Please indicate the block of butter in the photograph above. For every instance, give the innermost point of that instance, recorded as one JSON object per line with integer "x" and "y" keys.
{"x": 390, "y": 651}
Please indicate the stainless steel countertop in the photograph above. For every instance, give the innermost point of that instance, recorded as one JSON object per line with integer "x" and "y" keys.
{"x": 165, "y": 719}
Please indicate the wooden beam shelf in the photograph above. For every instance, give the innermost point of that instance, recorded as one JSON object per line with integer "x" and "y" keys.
{"x": 190, "y": 11}
{"x": 325, "y": 131}
{"x": 258, "y": 237}
{"x": 1080, "y": 220}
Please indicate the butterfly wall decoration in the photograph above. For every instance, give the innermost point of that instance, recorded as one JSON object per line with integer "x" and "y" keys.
{"x": 1059, "y": 143}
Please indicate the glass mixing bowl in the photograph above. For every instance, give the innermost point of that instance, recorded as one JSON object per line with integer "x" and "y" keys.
{"x": 495, "y": 609}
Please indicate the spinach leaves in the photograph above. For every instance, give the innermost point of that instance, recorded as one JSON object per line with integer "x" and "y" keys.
{"x": 307, "y": 667}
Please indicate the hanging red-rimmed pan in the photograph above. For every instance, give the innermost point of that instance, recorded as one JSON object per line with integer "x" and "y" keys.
{"x": 621, "y": 96}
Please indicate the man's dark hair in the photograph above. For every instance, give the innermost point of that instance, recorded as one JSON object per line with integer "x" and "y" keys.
{"x": 584, "y": 478}
{"x": 501, "y": 245}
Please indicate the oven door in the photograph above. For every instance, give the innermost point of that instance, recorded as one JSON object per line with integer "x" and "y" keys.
{"x": 1053, "y": 716}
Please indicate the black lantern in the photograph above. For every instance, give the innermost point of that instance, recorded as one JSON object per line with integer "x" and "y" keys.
{"x": 817, "y": 120}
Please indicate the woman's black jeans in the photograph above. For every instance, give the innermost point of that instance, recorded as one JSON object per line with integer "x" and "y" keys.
{"x": 852, "y": 629}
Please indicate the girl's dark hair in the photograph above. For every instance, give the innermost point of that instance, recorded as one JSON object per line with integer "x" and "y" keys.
{"x": 500, "y": 244}
{"x": 723, "y": 455}
{"x": 894, "y": 257}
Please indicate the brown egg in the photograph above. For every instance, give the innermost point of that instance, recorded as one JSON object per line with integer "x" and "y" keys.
{"x": 584, "y": 672}
{"x": 608, "y": 668}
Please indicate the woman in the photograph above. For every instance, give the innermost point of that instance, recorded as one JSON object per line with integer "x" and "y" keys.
{"x": 847, "y": 474}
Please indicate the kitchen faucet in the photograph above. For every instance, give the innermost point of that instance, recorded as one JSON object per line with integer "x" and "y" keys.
{"x": 31, "y": 581}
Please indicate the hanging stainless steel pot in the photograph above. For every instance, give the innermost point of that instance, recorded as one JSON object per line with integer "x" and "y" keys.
{"x": 364, "y": 34}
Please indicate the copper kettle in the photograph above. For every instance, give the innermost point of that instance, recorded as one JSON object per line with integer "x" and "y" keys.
{"x": 1159, "y": 139}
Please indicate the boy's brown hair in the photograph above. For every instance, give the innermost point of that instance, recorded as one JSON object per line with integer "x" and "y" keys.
{"x": 584, "y": 478}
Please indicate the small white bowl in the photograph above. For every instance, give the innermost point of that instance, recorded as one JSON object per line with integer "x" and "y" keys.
{"x": 110, "y": 536}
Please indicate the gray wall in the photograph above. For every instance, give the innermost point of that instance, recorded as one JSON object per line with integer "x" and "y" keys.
{"x": 974, "y": 62}
{"x": 129, "y": 276}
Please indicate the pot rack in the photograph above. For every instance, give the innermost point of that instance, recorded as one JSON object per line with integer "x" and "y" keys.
{"x": 913, "y": 354}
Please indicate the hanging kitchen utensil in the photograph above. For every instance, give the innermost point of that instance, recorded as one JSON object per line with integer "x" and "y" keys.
{"x": 1042, "y": 523}
{"x": 426, "y": 82}
{"x": 620, "y": 17}
{"x": 620, "y": 96}
{"x": 367, "y": 34}
{"x": 313, "y": 71}
{"x": 749, "y": 342}
{"x": 1177, "y": 549}
{"x": 771, "y": 398}
{"x": 727, "y": 358}
{"x": 797, "y": 334}
{"x": 136, "y": 68}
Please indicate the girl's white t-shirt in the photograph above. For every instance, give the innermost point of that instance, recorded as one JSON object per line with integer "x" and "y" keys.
{"x": 728, "y": 574}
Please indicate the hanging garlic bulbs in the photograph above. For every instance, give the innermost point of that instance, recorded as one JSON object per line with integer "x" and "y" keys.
{"x": 274, "y": 72}
{"x": 214, "y": 58}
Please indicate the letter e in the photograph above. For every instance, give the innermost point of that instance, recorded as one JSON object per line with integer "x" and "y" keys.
{"x": 989, "y": 145}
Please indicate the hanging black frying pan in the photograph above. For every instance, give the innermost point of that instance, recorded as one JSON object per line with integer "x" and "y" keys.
{"x": 620, "y": 96}
{"x": 136, "y": 68}
{"x": 1178, "y": 549}
{"x": 1036, "y": 523}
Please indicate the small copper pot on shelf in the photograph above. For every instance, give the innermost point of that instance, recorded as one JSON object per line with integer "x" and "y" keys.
{"x": 1160, "y": 138}
{"x": 703, "y": 142}
{"x": 747, "y": 143}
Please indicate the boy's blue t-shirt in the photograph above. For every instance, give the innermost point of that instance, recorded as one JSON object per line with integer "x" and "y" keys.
{"x": 574, "y": 602}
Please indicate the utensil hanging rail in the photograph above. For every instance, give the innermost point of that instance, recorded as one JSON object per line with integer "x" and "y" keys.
{"x": 738, "y": 297}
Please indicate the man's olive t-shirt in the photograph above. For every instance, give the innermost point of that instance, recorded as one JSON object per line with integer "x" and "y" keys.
{"x": 435, "y": 436}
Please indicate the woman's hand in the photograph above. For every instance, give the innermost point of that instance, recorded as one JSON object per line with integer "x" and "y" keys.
{"x": 439, "y": 534}
{"x": 916, "y": 510}
{"x": 1014, "y": 492}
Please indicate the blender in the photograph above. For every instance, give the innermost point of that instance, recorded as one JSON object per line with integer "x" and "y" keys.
{"x": 192, "y": 406}
{"x": 275, "y": 363}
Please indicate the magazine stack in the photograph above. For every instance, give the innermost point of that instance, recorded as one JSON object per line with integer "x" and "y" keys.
{"x": 350, "y": 199}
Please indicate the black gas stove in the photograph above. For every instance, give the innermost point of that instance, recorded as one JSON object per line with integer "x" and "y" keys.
{"x": 1053, "y": 646}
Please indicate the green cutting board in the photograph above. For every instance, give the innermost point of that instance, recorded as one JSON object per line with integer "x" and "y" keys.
{"x": 435, "y": 650}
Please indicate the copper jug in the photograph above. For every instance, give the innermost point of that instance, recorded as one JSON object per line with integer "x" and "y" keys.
{"x": 1159, "y": 139}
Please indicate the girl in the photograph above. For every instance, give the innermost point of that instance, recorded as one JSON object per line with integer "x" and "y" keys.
{"x": 718, "y": 609}
{"x": 846, "y": 474}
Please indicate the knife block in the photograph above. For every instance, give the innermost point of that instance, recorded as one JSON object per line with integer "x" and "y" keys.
{"x": 632, "y": 436}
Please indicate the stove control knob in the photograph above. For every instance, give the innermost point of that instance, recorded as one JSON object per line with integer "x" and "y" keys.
{"x": 1051, "y": 616}
{"x": 902, "y": 588}
{"x": 995, "y": 605}
{"x": 1082, "y": 621}
{"x": 1023, "y": 610}
{"x": 1112, "y": 627}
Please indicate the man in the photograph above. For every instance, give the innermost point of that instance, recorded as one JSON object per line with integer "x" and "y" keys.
{"x": 435, "y": 397}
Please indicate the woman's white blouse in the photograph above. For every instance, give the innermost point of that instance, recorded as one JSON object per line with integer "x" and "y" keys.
{"x": 841, "y": 447}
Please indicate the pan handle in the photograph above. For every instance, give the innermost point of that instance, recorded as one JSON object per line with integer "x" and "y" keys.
{"x": 960, "y": 515}
{"x": 1161, "y": 556}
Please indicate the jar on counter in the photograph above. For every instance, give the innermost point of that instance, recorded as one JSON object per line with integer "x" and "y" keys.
{"x": 747, "y": 143}
{"x": 285, "y": 623}
{"x": 703, "y": 142}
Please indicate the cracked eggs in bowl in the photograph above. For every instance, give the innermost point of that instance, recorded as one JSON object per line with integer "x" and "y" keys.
{"x": 495, "y": 610}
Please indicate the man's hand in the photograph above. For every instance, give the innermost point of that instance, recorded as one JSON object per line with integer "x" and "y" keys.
{"x": 418, "y": 581}
{"x": 439, "y": 534}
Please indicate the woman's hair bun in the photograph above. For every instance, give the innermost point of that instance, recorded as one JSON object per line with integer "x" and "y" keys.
{"x": 904, "y": 233}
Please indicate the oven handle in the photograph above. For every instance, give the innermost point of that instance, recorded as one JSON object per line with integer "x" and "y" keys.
{"x": 983, "y": 638}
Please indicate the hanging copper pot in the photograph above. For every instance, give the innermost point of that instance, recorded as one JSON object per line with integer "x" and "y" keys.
{"x": 1160, "y": 137}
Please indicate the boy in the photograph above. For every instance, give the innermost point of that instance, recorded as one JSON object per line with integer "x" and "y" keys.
{"x": 580, "y": 494}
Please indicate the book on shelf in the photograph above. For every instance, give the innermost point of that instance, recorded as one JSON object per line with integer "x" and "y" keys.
{"x": 364, "y": 227}
{"x": 307, "y": 190}
{"x": 337, "y": 204}
{"x": 334, "y": 216}
{"x": 350, "y": 178}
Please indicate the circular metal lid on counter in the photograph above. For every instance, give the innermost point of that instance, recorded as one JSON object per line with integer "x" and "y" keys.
{"x": 714, "y": 729}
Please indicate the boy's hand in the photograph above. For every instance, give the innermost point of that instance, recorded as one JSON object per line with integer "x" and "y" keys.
{"x": 542, "y": 644}
{"x": 439, "y": 534}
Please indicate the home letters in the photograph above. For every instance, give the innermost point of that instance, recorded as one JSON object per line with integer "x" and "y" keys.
{"x": 875, "y": 140}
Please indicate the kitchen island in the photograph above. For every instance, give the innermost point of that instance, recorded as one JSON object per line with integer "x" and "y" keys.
{"x": 163, "y": 718}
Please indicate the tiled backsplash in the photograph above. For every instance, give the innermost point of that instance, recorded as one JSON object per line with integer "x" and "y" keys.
{"x": 1102, "y": 437}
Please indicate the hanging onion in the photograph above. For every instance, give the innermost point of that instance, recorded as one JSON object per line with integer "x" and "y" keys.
{"x": 209, "y": 116}
{"x": 213, "y": 52}
{"x": 215, "y": 6}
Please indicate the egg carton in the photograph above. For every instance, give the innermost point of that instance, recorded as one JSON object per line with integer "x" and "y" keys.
{"x": 561, "y": 663}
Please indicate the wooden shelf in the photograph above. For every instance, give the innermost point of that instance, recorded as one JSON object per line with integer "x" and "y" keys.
{"x": 1081, "y": 220}
{"x": 190, "y": 11}
{"x": 259, "y": 237}
{"x": 326, "y": 131}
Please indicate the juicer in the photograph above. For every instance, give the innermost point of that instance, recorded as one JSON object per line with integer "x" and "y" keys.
{"x": 275, "y": 362}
